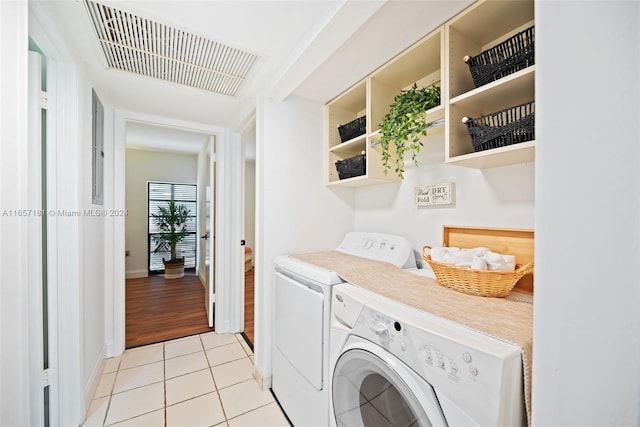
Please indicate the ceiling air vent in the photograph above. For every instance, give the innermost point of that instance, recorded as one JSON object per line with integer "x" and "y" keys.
{"x": 138, "y": 45}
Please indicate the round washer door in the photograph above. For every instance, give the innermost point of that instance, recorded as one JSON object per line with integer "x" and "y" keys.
{"x": 371, "y": 387}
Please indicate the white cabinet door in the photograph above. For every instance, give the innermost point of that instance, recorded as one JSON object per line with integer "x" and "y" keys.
{"x": 299, "y": 327}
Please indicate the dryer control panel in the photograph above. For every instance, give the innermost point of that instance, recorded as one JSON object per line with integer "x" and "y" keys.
{"x": 396, "y": 250}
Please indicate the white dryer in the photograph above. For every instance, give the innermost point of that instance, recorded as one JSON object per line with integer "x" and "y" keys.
{"x": 394, "y": 365}
{"x": 302, "y": 308}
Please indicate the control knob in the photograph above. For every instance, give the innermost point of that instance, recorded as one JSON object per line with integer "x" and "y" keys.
{"x": 382, "y": 332}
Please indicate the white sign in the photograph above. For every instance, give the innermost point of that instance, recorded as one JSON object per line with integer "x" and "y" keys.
{"x": 439, "y": 194}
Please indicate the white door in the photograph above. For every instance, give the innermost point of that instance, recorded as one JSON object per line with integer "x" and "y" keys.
{"x": 210, "y": 296}
{"x": 42, "y": 391}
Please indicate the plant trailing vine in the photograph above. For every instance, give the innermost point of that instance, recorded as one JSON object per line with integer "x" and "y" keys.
{"x": 405, "y": 124}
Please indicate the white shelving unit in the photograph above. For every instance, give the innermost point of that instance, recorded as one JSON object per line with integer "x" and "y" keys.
{"x": 479, "y": 27}
{"x": 420, "y": 64}
{"x": 437, "y": 59}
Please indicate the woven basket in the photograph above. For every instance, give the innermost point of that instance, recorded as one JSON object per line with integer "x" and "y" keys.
{"x": 513, "y": 54}
{"x": 483, "y": 283}
{"x": 352, "y": 167}
{"x": 353, "y": 129}
{"x": 512, "y": 125}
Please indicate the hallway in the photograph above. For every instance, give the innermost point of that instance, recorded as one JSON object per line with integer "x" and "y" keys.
{"x": 200, "y": 380}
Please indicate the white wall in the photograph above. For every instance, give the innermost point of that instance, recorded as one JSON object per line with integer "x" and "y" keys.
{"x": 142, "y": 167}
{"x": 586, "y": 353}
{"x": 499, "y": 197}
{"x": 91, "y": 251}
{"x": 295, "y": 211}
{"x": 14, "y": 302}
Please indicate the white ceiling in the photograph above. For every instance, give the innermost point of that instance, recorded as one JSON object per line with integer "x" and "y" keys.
{"x": 309, "y": 48}
{"x": 151, "y": 137}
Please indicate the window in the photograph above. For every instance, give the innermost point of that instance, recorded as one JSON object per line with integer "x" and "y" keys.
{"x": 159, "y": 194}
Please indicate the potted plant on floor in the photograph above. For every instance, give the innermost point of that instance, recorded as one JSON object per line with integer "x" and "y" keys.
{"x": 172, "y": 222}
{"x": 405, "y": 124}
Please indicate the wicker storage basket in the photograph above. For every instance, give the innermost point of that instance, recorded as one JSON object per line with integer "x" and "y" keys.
{"x": 352, "y": 129}
{"x": 483, "y": 283}
{"x": 351, "y": 167}
{"x": 514, "y": 54}
{"x": 505, "y": 127}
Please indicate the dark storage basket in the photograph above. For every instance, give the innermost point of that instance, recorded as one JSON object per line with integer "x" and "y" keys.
{"x": 514, "y": 54}
{"x": 351, "y": 167}
{"x": 352, "y": 129}
{"x": 505, "y": 127}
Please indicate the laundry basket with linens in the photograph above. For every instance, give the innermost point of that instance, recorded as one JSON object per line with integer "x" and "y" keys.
{"x": 475, "y": 271}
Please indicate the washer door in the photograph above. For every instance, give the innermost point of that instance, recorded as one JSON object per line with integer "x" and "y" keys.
{"x": 379, "y": 390}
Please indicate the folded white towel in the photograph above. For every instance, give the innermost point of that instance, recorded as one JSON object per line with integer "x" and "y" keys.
{"x": 495, "y": 262}
{"x": 437, "y": 254}
{"x": 449, "y": 258}
{"x": 509, "y": 262}
{"x": 479, "y": 263}
{"x": 480, "y": 251}
{"x": 463, "y": 258}
{"x": 479, "y": 258}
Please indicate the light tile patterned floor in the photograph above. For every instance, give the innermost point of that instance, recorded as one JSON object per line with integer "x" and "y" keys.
{"x": 201, "y": 380}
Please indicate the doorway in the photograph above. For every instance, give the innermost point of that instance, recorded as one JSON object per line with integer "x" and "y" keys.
{"x": 228, "y": 252}
{"x": 158, "y": 158}
{"x": 249, "y": 143}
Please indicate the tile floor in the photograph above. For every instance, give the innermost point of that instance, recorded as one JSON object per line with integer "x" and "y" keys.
{"x": 201, "y": 380}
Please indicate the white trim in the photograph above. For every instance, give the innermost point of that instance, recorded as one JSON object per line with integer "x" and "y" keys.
{"x": 116, "y": 316}
{"x": 136, "y": 274}
{"x": 14, "y": 325}
{"x": 70, "y": 327}
{"x": 263, "y": 317}
{"x": 94, "y": 379}
{"x": 210, "y": 285}
{"x": 34, "y": 185}
{"x": 264, "y": 381}
{"x": 52, "y": 238}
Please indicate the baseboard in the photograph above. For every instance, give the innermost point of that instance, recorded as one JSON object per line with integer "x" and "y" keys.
{"x": 264, "y": 382}
{"x": 94, "y": 380}
{"x": 135, "y": 274}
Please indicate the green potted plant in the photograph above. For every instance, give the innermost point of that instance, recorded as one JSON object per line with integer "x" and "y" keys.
{"x": 405, "y": 124}
{"x": 172, "y": 222}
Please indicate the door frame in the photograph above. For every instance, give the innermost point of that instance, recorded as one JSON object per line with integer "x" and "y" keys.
{"x": 228, "y": 263}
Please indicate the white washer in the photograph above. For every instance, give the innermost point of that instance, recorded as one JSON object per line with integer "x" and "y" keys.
{"x": 302, "y": 308}
{"x": 423, "y": 370}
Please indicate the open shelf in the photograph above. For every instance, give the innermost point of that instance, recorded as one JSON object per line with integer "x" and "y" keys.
{"x": 420, "y": 64}
{"x": 503, "y": 156}
{"x": 480, "y": 27}
{"x": 437, "y": 59}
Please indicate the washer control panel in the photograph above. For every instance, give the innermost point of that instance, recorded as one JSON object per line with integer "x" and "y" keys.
{"x": 387, "y": 332}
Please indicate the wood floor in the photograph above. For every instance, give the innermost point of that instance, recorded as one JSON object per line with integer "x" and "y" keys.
{"x": 158, "y": 309}
{"x": 248, "y": 305}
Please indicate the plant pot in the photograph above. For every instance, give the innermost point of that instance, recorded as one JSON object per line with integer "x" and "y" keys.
{"x": 173, "y": 269}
